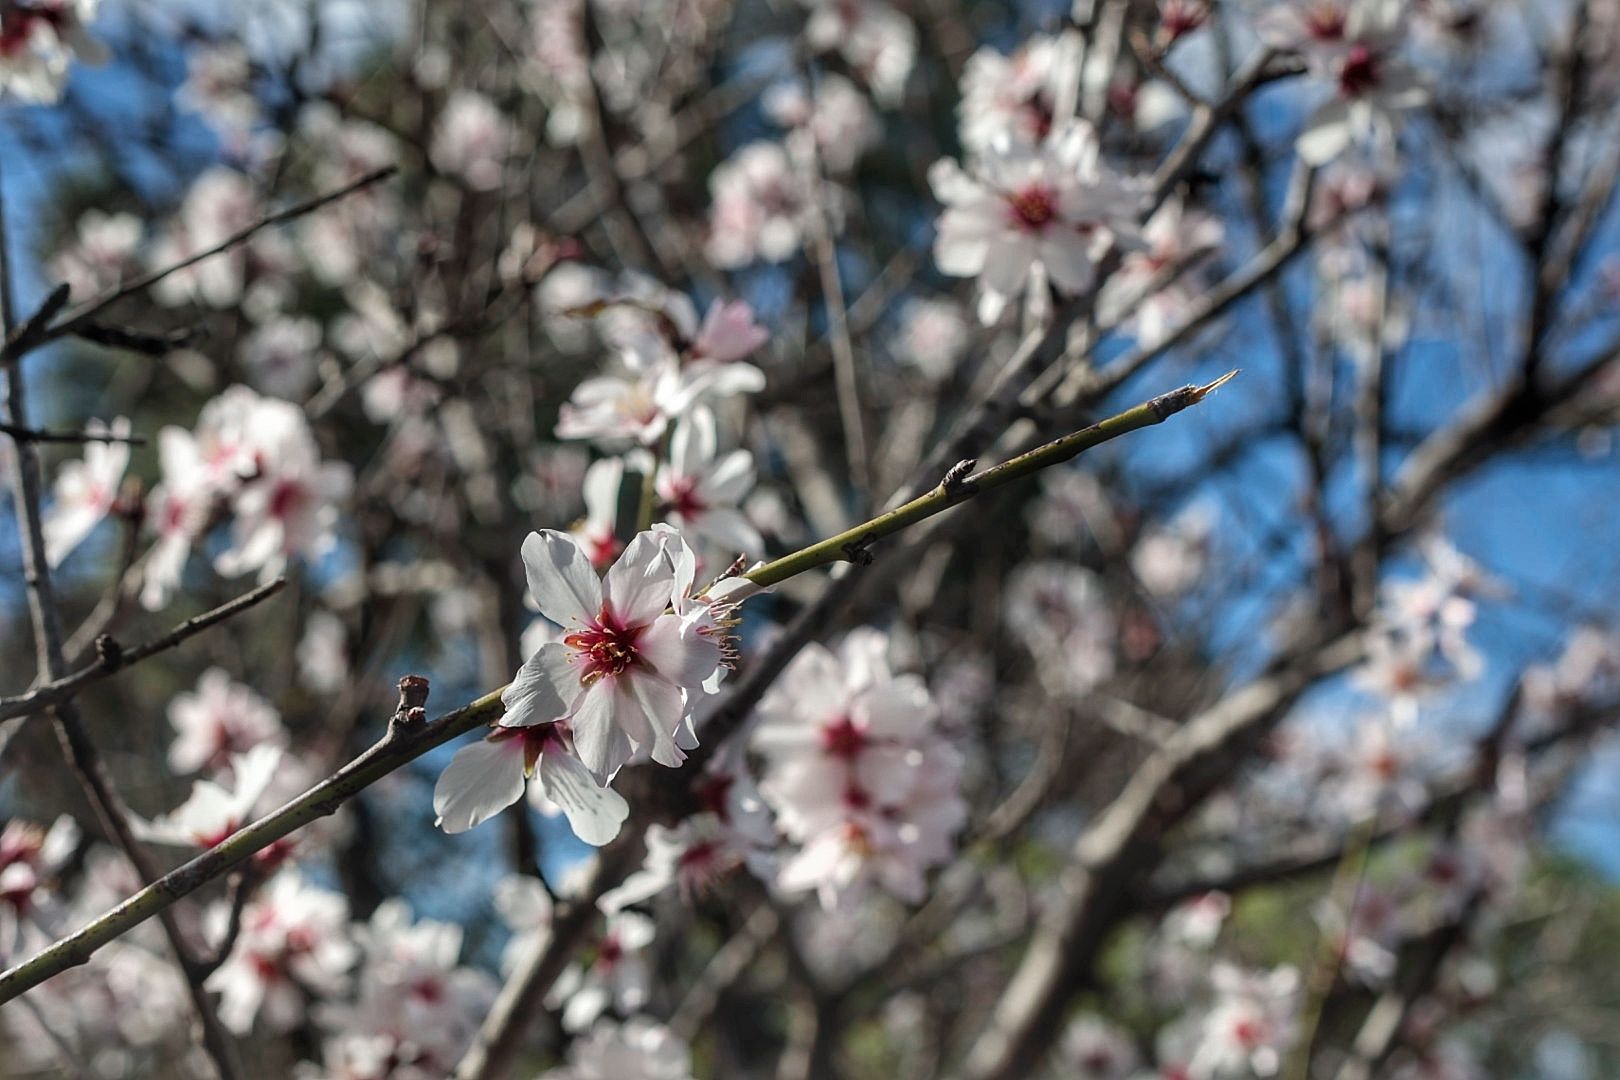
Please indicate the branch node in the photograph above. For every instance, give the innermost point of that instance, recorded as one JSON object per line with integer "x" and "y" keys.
{"x": 109, "y": 654}
{"x": 955, "y": 485}
{"x": 412, "y": 710}
{"x": 859, "y": 551}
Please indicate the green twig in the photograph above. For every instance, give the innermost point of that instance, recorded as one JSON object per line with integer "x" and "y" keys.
{"x": 851, "y": 545}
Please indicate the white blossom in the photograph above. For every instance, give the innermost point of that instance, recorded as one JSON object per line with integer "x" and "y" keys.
{"x": 86, "y": 491}
{"x": 1046, "y": 212}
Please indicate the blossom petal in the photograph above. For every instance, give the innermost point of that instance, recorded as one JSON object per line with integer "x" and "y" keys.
{"x": 481, "y": 780}
{"x": 642, "y": 583}
{"x": 544, "y": 688}
{"x": 564, "y": 586}
{"x": 677, "y": 652}
{"x": 598, "y": 737}
{"x": 594, "y": 812}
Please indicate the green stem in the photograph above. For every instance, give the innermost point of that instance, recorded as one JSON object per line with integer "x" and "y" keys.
{"x": 405, "y": 741}
{"x": 850, "y": 544}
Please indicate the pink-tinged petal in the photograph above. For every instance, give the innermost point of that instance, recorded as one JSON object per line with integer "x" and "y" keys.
{"x": 676, "y": 652}
{"x": 641, "y": 584}
{"x": 599, "y": 739}
{"x": 729, "y": 480}
{"x": 564, "y": 586}
{"x": 595, "y": 813}
{"x": 900, "y": 709}
{"x": 481, "y": 780}
{"x": 661, "y": 703}
{"x": 544, "y": 688}
{"x": 1326, "y": 134}
{"x": 732, "y": 530}
{"x": 694, "y": 442}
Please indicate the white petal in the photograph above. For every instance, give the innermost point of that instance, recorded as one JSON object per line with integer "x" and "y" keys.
{"x": 641, "y": 584}
{"x": 1326, "y": 134}
{"x": 564, "y": 586}
{"x": 481, "y": 780}
{"x": 677, "y": 652}
{"x": 543, "y": 689}
{"x": 662, "y": 703}
{"x": 599, "y": 739}
{"x": 595, "y": 813}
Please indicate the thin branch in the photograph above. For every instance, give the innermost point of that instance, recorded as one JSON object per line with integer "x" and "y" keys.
{"x": 111, "y": 657}
{"x": 78, "y": 318}
{"x": 40, "y": 435}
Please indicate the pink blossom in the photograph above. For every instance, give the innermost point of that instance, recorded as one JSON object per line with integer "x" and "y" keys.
{"x": 1023, "y": 214}
{"x": 86, "y": 491}
{"x": 638, "y": 1049}
{"x": 218, "y": 720}
{"x": 294, "y": 942}
{"x": 471, "y": 140}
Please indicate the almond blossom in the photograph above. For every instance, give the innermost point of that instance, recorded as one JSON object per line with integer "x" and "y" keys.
{"x": 836, "y": 114}
{"x": 416, "y": 1004}
{"x": 933, "y": 336}
{"x": 598, "y": 529}
{"x": 1350, "y": 44}
{"x": 699, "y": 489}
{"x": 628, "y": 669}
{"x": 874, "y": 38}
{"x": 219, "y": 720}
{"x": 617, "y": 975}
{"x": 1251, "y": 1023}
{"x": 857, "y": 774}
{"x": 101, "y": 254}
{"x": 212, "y": 811}
{"x": 1044, "y": 213}
{"x": 219, "y": 203}
{"x": 31, "y": 857}
{"x": 294, "y": 942}
{"x": 288, "y": 506}
{"x": 1151, "y": 292}
{"x": 177, "y": 510}
{"x": 1094, "y": 1049}
{"x": 1012, "y": 98}
{"x": 472, "y": 140}
{"x": 86, "y": 491}
{"x": 761, "y": 207}
{"x": 733, "y": 830}
{"x": 638, "y": 1049}
{"x": 655, "y": 388}
{"x": 488, "y": 776}
{"x": 1060, "y": 613}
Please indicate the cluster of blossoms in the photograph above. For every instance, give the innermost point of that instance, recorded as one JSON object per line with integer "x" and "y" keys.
{"x": 1350, "y": 45}
{"x": 1421, "y": 644}
{"x": 859, "y": 775}
{"x": 255, "y": 460}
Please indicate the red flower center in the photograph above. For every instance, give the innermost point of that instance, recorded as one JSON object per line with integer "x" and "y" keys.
{"x": 1033, "y": 208}
{"x": 286, "y": 497}
{"x": 1361, "y": 73}
{"x": 681, "y": 497}
{"x": 842, "y": 739}
{"x": 606, "y": 647}
{"x": 713, "y": 792}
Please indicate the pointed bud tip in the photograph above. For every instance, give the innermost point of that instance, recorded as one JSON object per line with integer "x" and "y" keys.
{"x": 1204, "y": 391}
